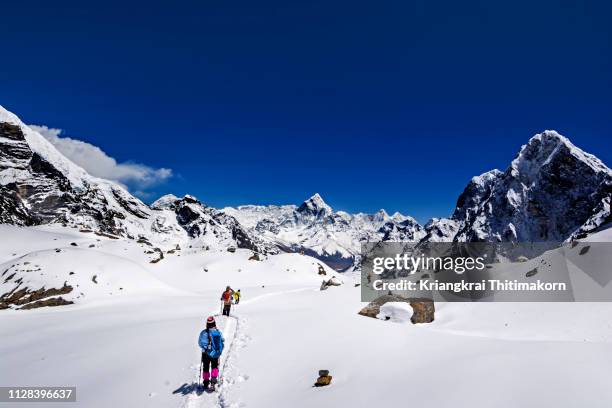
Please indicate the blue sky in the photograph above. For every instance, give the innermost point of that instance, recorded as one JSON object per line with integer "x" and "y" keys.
{"x": 393, "y": 104}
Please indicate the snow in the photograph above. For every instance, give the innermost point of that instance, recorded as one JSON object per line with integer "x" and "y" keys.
{"x": 485, "y": 178}
{"x": 140, "y": 348}
{"x": 164, "y": 202}
{"x": 397, "y": 312}
{"x": 554, "y": 142}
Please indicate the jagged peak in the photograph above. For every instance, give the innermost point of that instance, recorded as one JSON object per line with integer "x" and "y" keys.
{"x": 486, "y": 177}
{"x": 316, "y": 198}
{"x": 440, "y": 221}
{"x": 543, "y": 147}
{"x": 398, "y": 215}
{"x": 164, "y": 202}
{"x": 381, "y": 214}
{"x": 315, "y": 205}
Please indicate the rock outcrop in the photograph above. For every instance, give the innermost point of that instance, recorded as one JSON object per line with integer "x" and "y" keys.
{"x": 423, "y": 309}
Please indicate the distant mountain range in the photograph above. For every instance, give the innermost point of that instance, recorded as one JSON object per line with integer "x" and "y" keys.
{"x": 552, "y": 191}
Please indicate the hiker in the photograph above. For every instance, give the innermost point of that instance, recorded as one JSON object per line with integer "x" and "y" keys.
{"x": 227, "y": 297}
{"x": 211, "y": 343}
{"x": 237, "y": 296}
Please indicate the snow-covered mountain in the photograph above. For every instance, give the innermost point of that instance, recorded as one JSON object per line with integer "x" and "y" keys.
{"x": 209, "y": 227}
{"x": 316, "y": 229}
{"x": 552, "y": 191}
{"x": 39, "y": 185}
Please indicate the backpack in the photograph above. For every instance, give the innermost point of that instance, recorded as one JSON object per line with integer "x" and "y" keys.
{"x": 211, "y": 342}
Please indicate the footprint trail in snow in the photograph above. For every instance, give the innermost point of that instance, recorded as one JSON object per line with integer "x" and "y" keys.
{"x": 231, "y": 329}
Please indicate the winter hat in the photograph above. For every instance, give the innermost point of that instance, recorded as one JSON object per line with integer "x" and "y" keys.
{"x": 210, "y": 320}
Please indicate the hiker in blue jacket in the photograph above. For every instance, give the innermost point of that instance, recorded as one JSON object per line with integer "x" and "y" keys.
{"x": 211, "y": 343}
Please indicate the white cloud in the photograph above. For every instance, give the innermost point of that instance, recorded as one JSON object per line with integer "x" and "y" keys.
{"x": 99, "y": 164}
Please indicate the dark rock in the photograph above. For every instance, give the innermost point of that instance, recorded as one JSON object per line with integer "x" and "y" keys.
{"x": 373, "y": 308}
{"x": 25, "y": 295}
{"x": 321, "y": 270}
{"x": 323, "y": 381}
{"x": 59, "y": 301}
{"x": 423, "y": 310}
{"x": 160, "y": 255}
{"x": 254, "y": 257}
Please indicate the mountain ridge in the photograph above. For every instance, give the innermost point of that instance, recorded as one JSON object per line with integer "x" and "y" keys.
{"x": 551, "y": 191}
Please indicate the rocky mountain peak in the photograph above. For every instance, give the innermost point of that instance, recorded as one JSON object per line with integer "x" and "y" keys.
{"x": 550, "y": 192}
{"x": 315, "y": 206}
{"x": 166, "y": 202}
{"x": 381, "y": 215}
{"x": 398, "y": 217}
{"x": 547, "y": 149}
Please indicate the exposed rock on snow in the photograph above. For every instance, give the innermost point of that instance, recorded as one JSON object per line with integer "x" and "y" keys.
{"x": 321, "y": 270}
{"x": 324, "y": 379}
{"x": 333, "y": 281}
{"x": 423, "y": 310}
{"x": 373, "y": 308}
{"x": 30, "y": 299}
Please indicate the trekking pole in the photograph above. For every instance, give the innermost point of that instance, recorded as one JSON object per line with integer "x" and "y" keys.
{"x": 221, "y": 309}
{"x": 200, "y": 373}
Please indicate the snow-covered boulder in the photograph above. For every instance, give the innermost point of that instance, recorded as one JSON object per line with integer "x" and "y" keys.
{"x": 333, "y": 281}
{"x": 397, "y": 312}
{"x": 423, "y": 310}
{"x": 373, "y": 308}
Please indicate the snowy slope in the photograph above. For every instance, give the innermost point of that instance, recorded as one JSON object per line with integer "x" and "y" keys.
{"x": 286, "y": 333}
{"x": 83, "y": 267}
